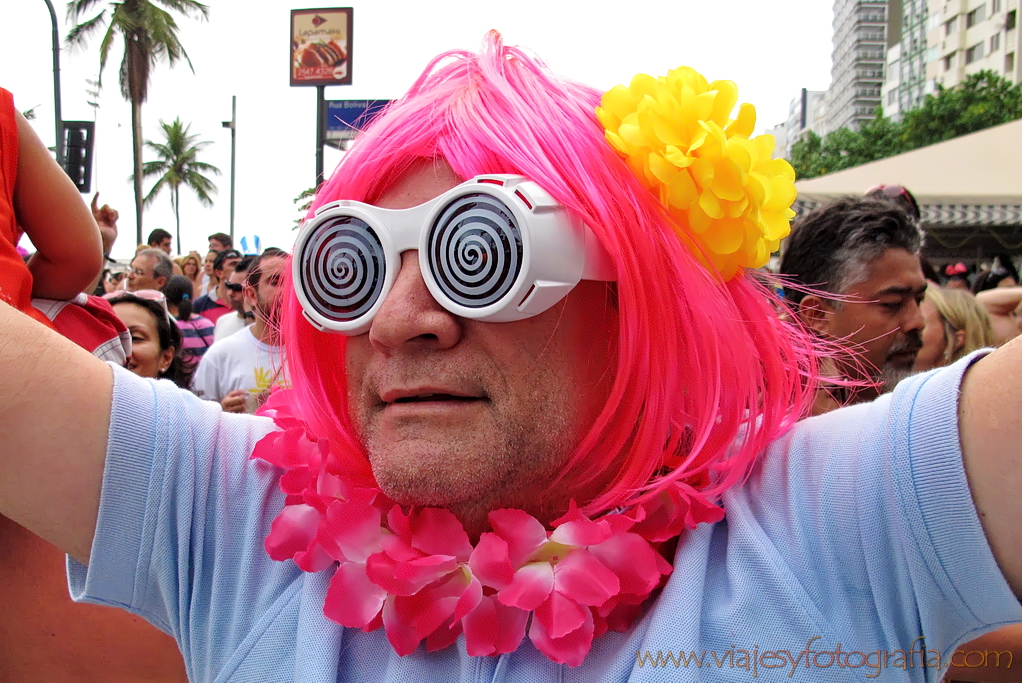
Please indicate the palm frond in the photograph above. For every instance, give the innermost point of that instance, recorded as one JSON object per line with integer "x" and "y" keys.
{"x": 79, "y": 34}
{"x": 76, "y": 8}
{"x": 188, "y": 8}
{"x": 154, "y": 192}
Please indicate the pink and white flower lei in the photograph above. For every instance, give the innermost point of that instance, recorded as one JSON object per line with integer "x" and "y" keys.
{"x": 418, "y": 576}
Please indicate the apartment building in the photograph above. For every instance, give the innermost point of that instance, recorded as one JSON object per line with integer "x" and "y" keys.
{"x": 863, "y": 32}
{"x": 906, "y": 82}
{"x": 967, "y": 36}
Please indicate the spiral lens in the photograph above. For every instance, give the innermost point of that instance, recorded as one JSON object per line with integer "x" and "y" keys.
{"x": 343, "y": 268}
{"x": 475, "y": 250}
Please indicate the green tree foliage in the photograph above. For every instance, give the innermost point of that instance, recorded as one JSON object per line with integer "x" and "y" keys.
{"x": 178, "y": 165}
{"x": 149, "y": 33}
{"x": 983, "y": 100}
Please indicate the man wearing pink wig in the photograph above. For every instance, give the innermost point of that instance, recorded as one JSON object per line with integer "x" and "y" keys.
{"x": 542, "y": 427}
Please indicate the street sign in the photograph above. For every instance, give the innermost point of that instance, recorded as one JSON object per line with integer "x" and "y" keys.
{"x": 345, "y": 118}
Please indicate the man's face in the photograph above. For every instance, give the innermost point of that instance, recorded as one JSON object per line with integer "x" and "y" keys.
{"x": 235, "y": 291}
{"x": 141, "y": 274}
{"x": 216, "y": 245}
{"x": 228, "y": 267}
{"x": 264, "y": 300}
{"x": 471, "y": 415}
{"x": 881, "y": 317}
{"x": 164, "y": 245}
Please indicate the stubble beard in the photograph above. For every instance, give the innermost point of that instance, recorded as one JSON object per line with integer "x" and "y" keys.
{"x": 471, "y": 474}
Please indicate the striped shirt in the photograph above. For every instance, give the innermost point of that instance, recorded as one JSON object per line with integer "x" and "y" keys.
{"x": 196, "y": 335}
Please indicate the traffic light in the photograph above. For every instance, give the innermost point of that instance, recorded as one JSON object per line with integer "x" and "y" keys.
{"x": 78, "y": 153}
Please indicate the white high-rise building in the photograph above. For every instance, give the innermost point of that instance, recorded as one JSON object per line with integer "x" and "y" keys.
{"x": 967, "y": 36}
{"x": 863, "y": 32}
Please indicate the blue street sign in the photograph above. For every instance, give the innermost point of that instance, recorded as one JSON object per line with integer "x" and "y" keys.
{"x": 351, "y": 116}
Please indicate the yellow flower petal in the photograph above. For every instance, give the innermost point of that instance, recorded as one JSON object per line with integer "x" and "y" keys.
{"x": 677, "y": 157}
{"x": 725, "y": 101}
{"x": 726, "y": 236}
{"x": 727, "y": 197}
{"x": 745, "y": 123}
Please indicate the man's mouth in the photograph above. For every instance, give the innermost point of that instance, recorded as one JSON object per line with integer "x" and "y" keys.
{"x": 429, "y": 395}
{"x": 435, "y": 397}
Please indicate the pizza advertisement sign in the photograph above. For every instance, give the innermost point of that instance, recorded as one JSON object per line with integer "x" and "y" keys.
{"x": 321, "y": 46}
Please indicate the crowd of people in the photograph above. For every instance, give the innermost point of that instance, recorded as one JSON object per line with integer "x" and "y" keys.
{"x": 636, "y": 443}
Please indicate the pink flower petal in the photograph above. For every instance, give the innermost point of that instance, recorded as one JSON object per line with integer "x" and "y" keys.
{"x": 494, "y": 629}
{"x": 561, "y": 615}
{"x": 490, "y": 563}
{"x": 351, "y": 600}
{"x": 353, "y": 528}
{"x": 443, "y": 637}
{"x": 530, "y": 586}
{"x": 408, "y": 578}
{"x": 436, "y": 531}
{"x": 315, "y": 559}
{"x": 469, "y": 599}
{"x": 581, "y": 533}
{"x": 523, "y": 533}
{"x": 418, "y": 616}
{"x": 266, "y": 449}
{"x": 632, "y": 560}
{"x": 583, "y": 578}
{"x": 570, "y": 649}
{"x": 400, "y": 634}
{"x": 292, "y": 531}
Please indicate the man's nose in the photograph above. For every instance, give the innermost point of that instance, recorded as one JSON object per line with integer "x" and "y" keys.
{"x": 913, "y": 317}
{"x": 410, "y": 318}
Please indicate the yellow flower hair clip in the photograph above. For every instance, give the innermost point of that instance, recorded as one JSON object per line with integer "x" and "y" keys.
{"x": 730, "y": 200}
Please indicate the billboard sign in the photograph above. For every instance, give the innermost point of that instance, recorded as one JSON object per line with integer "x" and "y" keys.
{"x": 321, "y": 46}
{"x": 345, "y": 118}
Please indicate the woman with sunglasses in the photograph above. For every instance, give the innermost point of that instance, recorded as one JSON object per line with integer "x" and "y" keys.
{"x": 155, "y": 339}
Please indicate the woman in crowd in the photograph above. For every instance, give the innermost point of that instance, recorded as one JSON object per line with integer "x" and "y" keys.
{"x": 955, "y": 325}
{"x": 209, "y": 278}
{"x": 191, "y": 267}
{"x": 155, "y": 340}
{"x": 196, "y": 331}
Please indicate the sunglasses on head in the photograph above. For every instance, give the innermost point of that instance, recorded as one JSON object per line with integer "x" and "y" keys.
{"x": 496, "y": 248}
{"x": 233, "y": 287}
{"x": 899, "y": 193}
{"x": 147, "y": 294}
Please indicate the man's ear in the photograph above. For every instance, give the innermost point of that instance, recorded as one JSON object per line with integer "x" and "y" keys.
{"x": 816, "y": 313}
{"x": 162, "y": 283}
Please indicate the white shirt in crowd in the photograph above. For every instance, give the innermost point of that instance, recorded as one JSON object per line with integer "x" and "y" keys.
{"x": 227, "y": 325}
{"x": 239, "y": 361}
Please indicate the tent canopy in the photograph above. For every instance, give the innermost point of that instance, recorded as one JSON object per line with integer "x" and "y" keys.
{"x": 969, "y": 190}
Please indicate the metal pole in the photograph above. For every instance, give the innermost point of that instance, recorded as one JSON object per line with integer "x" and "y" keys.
{"x": 320, "y": 131}
{"x": 232, "y": 124}
{"x": 57, "y": 119}
{"x": 234, "y": 148}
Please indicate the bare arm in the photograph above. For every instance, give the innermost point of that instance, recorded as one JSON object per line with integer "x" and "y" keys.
{"x": 1000, "y": 300}
{"x": 51, "y": 211}
{"x": 55, "y": 420}
{"x": 990, "y": 428}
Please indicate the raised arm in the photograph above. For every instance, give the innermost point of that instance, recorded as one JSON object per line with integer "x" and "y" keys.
{"x": 51, "y": 211}
{"x": 56, "y": 416}
{"x": 990, "y": 426}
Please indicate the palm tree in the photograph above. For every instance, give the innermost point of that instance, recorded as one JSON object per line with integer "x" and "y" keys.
{"x": 178, "y": 166}
{"x": 150, "y": 34}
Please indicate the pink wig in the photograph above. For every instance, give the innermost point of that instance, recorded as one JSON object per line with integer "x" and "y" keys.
{"x": 707, "y": 373}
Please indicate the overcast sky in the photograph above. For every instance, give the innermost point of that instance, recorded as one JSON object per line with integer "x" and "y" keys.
{"x": 771, "y": 49}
